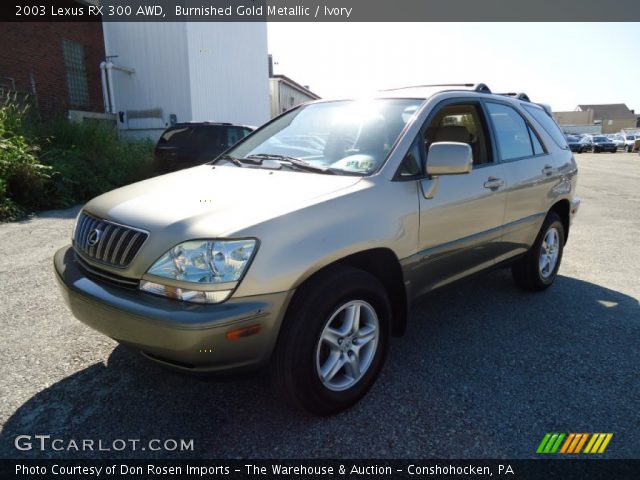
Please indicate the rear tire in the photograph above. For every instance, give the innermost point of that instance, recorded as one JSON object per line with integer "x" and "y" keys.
{"x": 538, "y": 269}
{"x": 324, "y": 360}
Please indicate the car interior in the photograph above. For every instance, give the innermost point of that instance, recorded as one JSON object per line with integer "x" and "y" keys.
{"x": 459, "y": 123}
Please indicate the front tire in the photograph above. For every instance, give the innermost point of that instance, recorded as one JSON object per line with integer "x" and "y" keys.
{"x": 538, "y": 269}
{"x": 333, "y": 342}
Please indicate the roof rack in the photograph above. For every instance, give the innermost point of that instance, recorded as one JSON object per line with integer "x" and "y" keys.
{"x": 520, "y": 96}
{"x": 477, "y": 87}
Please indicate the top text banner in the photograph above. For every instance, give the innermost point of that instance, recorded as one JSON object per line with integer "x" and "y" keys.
{"x": 320, "y": 10}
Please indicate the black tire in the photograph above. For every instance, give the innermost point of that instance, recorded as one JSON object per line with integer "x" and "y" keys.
{"x": 294, "y": 368}
{"x": 629, "y": 149}
{"x": 526, "y": 272}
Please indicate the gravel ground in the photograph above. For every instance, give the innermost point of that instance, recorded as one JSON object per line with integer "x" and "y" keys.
{"x": 483, "y": 372}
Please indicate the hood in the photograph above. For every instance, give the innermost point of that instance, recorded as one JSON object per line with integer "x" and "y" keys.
{"x": 208, "y": 201}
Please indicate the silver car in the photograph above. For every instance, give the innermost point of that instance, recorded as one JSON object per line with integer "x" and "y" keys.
{"x": 304, "y": 245}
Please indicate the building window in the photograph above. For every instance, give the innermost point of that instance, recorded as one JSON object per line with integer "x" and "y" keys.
{"x": 76, "y": 72}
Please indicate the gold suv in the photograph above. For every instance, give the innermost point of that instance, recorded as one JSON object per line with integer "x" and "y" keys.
{"x": 304, "y": 245}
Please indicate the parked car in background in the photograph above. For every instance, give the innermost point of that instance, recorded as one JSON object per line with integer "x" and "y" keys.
{"x": 318, "y": 232}
{"x": 574, "y": 143}
{"x": 186, "y": 145}
{"x": 587, "y": 143}
{"x": 618, "y": 140}
{"x": 629, "y": 141}
{"x": 603, "y": 144}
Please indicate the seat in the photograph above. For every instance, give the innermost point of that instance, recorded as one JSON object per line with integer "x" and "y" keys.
{"x": 452, "y": 133}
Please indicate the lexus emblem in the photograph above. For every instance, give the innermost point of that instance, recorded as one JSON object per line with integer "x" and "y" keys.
{"x": 94, "y": 237}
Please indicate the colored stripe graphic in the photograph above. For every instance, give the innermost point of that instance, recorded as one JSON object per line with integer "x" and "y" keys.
{"x": 567, "y": 443}
{"x": 543, "y": 443}
{"x": 599, "y": 443}
{"x": 572, "y": 443}
{"x": 550, "y": 443}
{"x": 581, "y": 443}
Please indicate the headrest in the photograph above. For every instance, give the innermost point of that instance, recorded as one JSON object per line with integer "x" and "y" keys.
{"x": 452, "y": 133}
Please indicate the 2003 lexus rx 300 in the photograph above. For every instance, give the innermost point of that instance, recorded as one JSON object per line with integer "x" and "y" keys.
{"x": 304, "y": 245}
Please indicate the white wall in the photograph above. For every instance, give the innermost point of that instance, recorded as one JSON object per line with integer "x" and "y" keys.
{"x": 158, "y": 53}
{"x": 198, "y": 71}
{"x": 228, "y": 66}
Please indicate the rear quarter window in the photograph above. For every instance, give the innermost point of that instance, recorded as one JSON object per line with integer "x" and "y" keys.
{"x": 548, "y": 124}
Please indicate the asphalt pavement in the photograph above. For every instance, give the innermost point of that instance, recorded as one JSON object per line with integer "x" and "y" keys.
{"x": 484, "y": 371}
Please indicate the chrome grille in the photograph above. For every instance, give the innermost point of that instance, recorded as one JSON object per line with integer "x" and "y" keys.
{"x": 107, "y": 242}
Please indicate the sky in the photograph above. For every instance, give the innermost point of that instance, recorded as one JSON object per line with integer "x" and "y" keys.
{"x": 561, "y": 64}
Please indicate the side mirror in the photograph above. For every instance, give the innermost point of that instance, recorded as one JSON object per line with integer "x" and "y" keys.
{"x": 448, "y": 158}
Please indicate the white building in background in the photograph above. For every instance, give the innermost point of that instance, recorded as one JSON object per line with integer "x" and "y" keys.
{"x": 160, "y": 73}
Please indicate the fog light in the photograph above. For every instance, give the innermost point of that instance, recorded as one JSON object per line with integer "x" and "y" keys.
{"x": 193, "y": 296}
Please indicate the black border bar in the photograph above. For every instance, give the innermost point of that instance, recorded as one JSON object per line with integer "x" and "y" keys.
{"x": 320, "y": 10}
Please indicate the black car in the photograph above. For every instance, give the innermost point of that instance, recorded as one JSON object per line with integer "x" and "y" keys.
{"x": 574, "y": 144}
{"x": 185, "y": 145}
{"x": 603, "y": 144}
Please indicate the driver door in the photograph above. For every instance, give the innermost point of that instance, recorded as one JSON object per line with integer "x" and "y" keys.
{"x": 461, "y": 216}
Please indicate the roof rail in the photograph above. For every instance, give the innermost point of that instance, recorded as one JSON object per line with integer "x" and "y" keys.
{"x": 481, "y": 88}
{"x": 520, "y": 96}
{"x": 477, "y": 87}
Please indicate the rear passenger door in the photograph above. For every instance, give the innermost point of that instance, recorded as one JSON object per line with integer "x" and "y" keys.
{"x": 528, "y": 172}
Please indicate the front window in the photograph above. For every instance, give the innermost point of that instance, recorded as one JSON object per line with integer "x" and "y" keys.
{"x": 343, "y": 137}
{"x": 600, "y": 139}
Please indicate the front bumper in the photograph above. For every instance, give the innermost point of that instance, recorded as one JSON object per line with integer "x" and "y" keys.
{"x": 181, "y": 335}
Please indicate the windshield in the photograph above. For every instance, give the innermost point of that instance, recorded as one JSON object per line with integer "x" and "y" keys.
{"x": 344, "y": 137}
{"x": 600, "y": 139}
{"x": 630, "y": 137}
{"x": 572, "y": 139}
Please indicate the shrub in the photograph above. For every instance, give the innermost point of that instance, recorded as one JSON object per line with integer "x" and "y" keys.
{"x": 89, "y": 159}
{"x": 57, "y": 163}
{"x": 22, "y": 177}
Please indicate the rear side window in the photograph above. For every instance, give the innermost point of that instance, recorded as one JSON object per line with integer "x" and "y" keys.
{"x": 549, "y": 125}
{"x": 512, "y": 132}
{"x": 209, "y": 137}
{"x": 177, "y": 136}
{"x": 235, "y": 134}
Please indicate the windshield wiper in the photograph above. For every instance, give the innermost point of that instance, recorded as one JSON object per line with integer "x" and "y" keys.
{"x": 239, "y": 161}
{"x": 296, "y": 162}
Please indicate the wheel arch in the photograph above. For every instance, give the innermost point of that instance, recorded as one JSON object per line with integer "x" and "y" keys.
{"x": 563, "y": 209}
{"x": 383, "y": 264}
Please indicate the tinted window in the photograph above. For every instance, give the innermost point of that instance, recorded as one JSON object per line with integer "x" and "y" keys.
{"x": 538, "y": 149}
{"x": 209, "y": 137}
{"x": 573, "y": 139}
{"x": 550, "y": 126}
{"x": 235, "y": 134}
{"x": 176, "y": 136}
{"x": 512, "y": 132}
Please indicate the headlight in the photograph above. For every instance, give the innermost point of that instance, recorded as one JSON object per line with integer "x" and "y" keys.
{"x": 203, "y": 263}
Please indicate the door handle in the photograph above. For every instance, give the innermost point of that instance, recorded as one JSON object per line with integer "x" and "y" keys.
{"x": 547, "y": 170}
{"x": 493, "y": 183}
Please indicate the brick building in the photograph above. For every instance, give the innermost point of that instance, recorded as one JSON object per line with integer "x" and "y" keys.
{"x": 57, "y": 63}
